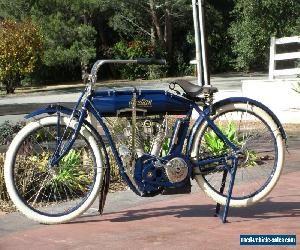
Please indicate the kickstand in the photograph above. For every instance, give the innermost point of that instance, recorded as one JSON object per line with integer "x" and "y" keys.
{"x": 218, "y": 207}
{"x": 232, "y": 172}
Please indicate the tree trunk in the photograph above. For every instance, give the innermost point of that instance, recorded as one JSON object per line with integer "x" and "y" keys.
{"x": 83, "y": 63}
{"x": 84, "y": 73}
{"x": 10, "y": 85}
{"x": 169, "y": 33}
{"x": 153, "y": 36}
{"x": 104, "y": 46}
{"x": 156, "y": 23}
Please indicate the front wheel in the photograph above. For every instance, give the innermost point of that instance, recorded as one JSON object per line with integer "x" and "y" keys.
{"x": 253, "y": 130}
{"x": 53, "y": 194}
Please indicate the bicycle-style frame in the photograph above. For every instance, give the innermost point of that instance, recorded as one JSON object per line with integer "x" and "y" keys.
{"x": 88, "y": 107}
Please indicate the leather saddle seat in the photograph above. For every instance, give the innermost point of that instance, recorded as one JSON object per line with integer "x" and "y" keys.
{"x": 192, "y": 90}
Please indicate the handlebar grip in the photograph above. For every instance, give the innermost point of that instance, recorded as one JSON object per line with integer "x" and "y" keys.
{"x": 151, "y": 61}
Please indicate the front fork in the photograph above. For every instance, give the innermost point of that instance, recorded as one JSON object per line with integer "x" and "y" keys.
{"x": 60, "y": 152}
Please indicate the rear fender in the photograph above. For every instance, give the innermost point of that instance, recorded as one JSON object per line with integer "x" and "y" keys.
{"x": 216, "y": 105}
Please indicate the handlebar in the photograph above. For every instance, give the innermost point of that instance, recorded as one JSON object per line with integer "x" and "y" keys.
{"x": 151, "y": 61}
{"x": 143, "y": 61}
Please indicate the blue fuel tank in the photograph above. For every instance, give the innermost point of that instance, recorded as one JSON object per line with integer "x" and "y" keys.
{"x": 153, "y": 102}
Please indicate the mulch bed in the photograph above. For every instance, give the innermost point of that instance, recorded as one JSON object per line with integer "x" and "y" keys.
{"x": 8, "y": 206}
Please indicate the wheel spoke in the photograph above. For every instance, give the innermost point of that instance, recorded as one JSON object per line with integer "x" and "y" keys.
{"x": 257, "y": 141}
{"x": 53, "y": 190}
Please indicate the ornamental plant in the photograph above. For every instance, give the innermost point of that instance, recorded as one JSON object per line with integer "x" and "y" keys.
{"x": 20, "y": 50}
{"x": 217, "y": 147}
{"x": 70, "y": 173}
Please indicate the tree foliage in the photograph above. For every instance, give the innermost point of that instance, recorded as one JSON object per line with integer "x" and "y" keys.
{"x": 20, "y": 50}
{"x": 157, "y": 21}
{"x": 67, "y": 27}
{"x": 76, "y": 32}
{"x": 169, "y": 27}
{"x": 255, "y": 23}
{"x": 15, "y": 9}
{"x": 133, "y": 50}
{"x": 69, "y": 36}
{"x": 218, "y": 19}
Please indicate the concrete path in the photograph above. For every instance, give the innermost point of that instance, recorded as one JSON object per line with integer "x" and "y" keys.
{"x": 229, "y": 85}
{"x": 227, "y": 82}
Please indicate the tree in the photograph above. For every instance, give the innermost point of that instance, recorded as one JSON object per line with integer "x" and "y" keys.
{"x": 67, "y": 27}
{"x": 218, "y": 20}
{"x": 169, "y": 25}
{"x": 20, "y": 50}
{"x": 255, "y": 22}
{"x": 15, "y": 9}
{"x": 151, "y": 20}
{"x": 70, "y": 38}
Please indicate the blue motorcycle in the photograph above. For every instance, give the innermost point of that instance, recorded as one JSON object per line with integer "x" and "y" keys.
{"x": 60, "y": 161}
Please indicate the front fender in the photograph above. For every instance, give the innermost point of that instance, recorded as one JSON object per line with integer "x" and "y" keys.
{"x": 55, "y": 108}
{"x": 50, "y": 110}
{"x": 216, "y": 105}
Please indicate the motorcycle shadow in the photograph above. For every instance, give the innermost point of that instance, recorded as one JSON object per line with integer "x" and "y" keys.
{"x": 261, "y": 211}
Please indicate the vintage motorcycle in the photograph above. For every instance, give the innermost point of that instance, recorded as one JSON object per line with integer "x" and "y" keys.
{"x": 59, "y": 162}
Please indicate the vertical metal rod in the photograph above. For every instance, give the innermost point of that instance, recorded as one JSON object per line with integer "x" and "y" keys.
{"x": 218, "y": 207}
{"x": 197, "y": 40}
{"x": 230, "y": 189}
{"x": 203, "y": 42}
{"x": 58, "y": 144}
{"x": 133, "y": 125}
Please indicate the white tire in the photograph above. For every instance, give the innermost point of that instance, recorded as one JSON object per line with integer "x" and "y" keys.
{"x": 274, "y": 177}
{"x": 10, "y": 164}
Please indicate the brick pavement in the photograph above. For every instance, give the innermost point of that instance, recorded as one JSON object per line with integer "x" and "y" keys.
{"x": 184, "y": 222}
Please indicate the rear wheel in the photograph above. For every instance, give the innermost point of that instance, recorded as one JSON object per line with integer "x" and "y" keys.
{"x": 52, "y": 194}
{"x": 254, "y": 131}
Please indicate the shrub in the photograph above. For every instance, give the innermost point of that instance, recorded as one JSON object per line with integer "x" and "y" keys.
{"x": 3, "y": 192}
{"x": 20, "y": 50}
{"x": 215, "y": 145}
{"x": 23, "y": 182}
{"x": 256, "y": 22}
{"x": 8, "y": 131}
{"x": 133, "y": 50}
{"x": 297, "y": 88}
{"x": 71, "y": 172}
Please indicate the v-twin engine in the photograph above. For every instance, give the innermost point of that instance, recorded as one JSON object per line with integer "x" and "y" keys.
{"x": 142, "y": 142}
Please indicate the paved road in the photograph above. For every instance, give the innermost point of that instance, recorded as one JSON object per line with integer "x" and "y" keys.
{"x": 172, "y": 222}
{"x": 228, "y": 84}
